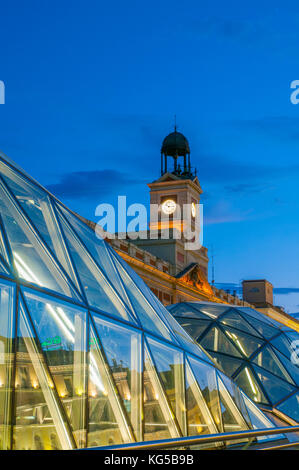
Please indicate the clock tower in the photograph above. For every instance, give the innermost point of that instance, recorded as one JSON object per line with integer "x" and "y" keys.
{"x": 174, "y": 199}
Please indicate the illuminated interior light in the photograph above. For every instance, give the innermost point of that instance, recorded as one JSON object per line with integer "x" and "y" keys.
{"x": 251, "y": 382}
{"x": 66, "y": 319}
{"x": 27, "y": 269}
{"x": 59, "y": 321}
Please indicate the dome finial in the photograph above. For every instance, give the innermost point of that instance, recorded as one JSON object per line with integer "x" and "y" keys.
{"x": 175, "y": 126}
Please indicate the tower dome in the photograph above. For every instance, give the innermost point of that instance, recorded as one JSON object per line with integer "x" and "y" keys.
{"x": 175, "y": 144}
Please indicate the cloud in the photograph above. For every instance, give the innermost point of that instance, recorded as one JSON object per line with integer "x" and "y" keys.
{"x": 243, "y": 188}
{"x": 86, "y": 184}
{"x": 286, "y": 290}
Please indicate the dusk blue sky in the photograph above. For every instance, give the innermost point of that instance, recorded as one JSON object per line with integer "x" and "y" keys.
{"x": 91, "y": 91}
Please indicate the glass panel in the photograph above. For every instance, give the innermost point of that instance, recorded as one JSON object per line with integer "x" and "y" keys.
{"x": 213, "y": 311}
{"x": 216, "y": 341}
{"x": 195, "y": 328}
{"x": 170, "y": 365}
{"x": 235, "y": 320}
{"x": 236, "y": 395}
{"x": 158, "y": 417}
{"x": 291, "y": 407}
{"x": 61, "y": 329}
{"x": 144, "y": 311}
{"x": 247, "y": 381}
{"x": 282, "y": 345}
{"x": 269, "y": 361}
{"x": 231, "y": 417}
{"x": 3, "y": 250}
{"x": 39, "y": 421}
{"x": 292, "y": 368}
{"x": 38, "y": 208}
{"x": 199, "y": 418}
{"x": 7, "y": 322}
{"x": 122, "y": 346}
{"x": 185, "y": 309}
{"x": 4, "y": 269}
{"x": 228, "y": 364}
{"x": 107, "y": 423}
{"x": 264, "y": 329}
{"x": 259, "y": 420}
{"x": 206, "y": 378}
{"x": 98, "y": 291}
{"x": 30, "y": 257}
{"x": 245, "y": 343}
{"x": 98, "y": 250}
{"x": 275, "y": 388}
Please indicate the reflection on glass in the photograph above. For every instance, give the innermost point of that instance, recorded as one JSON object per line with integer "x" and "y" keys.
{"x": 39, "y": 421}
{"x": 170, "y": 365}
{"x": 99, "y": 292}
{"x": 61, "y": 329}
{"x": 122, "y": 346}
{"x": 199, "y": 418}
{"x": 247, "y": 381}
{"x": 206, "y": 377}
{"x": 107, "y": 423}
{"x": 232, "y": 419}
{"x": 158, "y": 417}
{"x": 31, "y": 260}
{"x": 7, "y": 307}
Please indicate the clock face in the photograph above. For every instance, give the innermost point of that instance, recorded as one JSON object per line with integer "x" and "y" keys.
{"x": 168, "y": 206}
{"x": 193, "y": 209}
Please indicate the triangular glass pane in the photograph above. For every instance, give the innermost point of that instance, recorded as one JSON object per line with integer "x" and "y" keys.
{"x": 246, "y": 344}
{"x": 235, "y": 320}
{"x": 61, "y": 329}
{"x": 206, "y": 378}
{"x": 195, "y": 328}
{"x": 122, "y": 347}
{"x": 216, "y": 341}
{"x": 212, "y": 311}
{"x": 144, "y": 311}
{"x": 7, "y": 333}
{"x": 37, "y": 206}
{"x": 199, "y": 417}
{"x": 40, "y": 423}
{"x": 291, "y": 367}
{"x": 185, "y": 309}
{"x": 247, "y": 381}
{"x": 259, "y": 420}
{"x": 228, "y": 364}
{"x": 282, "y": 345}
{"x": 107, "y": 422}
{"x": 98, "y": 249}
{"x": 265, "y": 330}
{"x": 159, "y": 420}
{"x": 98, "y": 291}
{"x": 231, "y": 417}
{"x": 290, "y": 407}
{"x": 275, "y": 388}
{"x": 170, "y": 365}
{"x": 236, "y": 395}
{"x": 269, "y": 361}
{"x": 33, "y": 263}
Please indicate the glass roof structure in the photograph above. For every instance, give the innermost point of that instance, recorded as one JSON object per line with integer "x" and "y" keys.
{"x": 88, "y": 355}
{"x": 258, "y": 353}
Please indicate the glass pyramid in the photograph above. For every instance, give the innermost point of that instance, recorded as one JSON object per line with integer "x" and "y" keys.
{"x": 88, "y": 355}
{"x": 263, "y": 367}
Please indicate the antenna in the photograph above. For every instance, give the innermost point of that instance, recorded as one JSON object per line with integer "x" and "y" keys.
{"x": 175, "y": 126}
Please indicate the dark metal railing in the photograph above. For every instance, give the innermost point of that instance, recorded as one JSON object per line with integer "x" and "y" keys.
{"x": 206, "y": 439}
